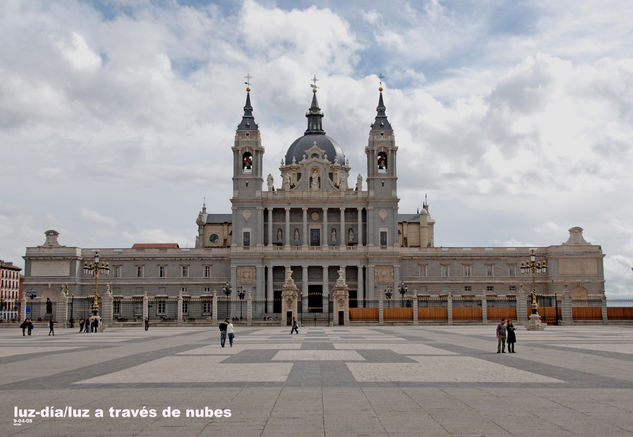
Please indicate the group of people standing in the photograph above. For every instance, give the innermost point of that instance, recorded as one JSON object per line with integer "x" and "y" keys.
{"x": 89, "y": 325}
{"x": 505, "y": 332}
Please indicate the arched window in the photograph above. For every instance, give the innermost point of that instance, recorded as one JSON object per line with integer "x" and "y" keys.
{"x": 247, "y": 162}
{"x": 382, "y": 162}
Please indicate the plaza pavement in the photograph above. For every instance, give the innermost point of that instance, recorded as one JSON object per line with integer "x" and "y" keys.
{"x": 347, "y": 381}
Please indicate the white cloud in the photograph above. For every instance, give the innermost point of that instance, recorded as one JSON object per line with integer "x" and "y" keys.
{"x": 506, "y": 129}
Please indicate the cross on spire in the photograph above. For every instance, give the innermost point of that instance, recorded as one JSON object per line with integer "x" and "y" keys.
{"x": 314, "y": 83}
{"x": 248, "y": 78}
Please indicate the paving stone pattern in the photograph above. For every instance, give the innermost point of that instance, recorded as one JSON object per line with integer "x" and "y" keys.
{"x": 348, "y": 381}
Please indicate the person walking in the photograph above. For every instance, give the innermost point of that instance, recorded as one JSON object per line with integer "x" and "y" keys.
{"x": 81, "y": 325}
{"x": 511, "y": 336}
{"x": 29, "y": 325}
{"x": 223, "y": 325}
{"x": 146, "y": 323}
{"x": 88, "y": 324}
{"x": 295, "y": 326}
{"x": 23, "y": 326}
{"x": 231, "y": 333}
{"x": 501, "y": 336}
{"x": 51, "y": 327}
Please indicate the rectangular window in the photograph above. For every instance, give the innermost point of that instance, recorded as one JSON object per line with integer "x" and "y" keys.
{"x": 207, "y": 271}
{"x": 185, "y": 307}
{"x": 383, "y": 238}
{"x": 423, "y": 269}
{"x": 512, "y": 288}
{"x": 117, "y": 271}
{"x": 445, "y": 271}
{"x": 161, "y": 271}
{"x": 116, "y": 307}
{"x": 246, "y": 239}
{"x": 467, "y": 272}
{"x": 207, "y": 289}
{"x": 511, "y": 270}
{"x": 160, "y": 307}
{"x": 490, "y": 288}
{"x": 139, "y": 271}
{"x": 468, "y": 288}
{"x": 206, "y": 307}
{"x": 138, "y": 308}
{"x": 489, "y": 270}
{"x": 184, "y": 271}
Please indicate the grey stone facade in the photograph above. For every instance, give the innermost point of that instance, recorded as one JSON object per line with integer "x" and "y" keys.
{"x": 318, "y": 218}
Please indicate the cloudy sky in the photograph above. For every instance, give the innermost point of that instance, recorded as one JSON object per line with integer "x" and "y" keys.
{"x": 515, "y": 117}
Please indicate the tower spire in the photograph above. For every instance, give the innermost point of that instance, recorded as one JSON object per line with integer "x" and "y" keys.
{"x": 248, "y": 121}
{"x": 314, "y": 114}
{"x": 381, "y": 122}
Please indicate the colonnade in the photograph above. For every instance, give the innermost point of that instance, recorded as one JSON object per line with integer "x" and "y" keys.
{"x": 324, "y": 222}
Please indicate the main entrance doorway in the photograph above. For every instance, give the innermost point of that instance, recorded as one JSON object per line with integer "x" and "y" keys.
{"x": 315, "y": 298}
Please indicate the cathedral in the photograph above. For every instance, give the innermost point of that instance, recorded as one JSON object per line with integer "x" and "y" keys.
{"x": 315, "y": 221}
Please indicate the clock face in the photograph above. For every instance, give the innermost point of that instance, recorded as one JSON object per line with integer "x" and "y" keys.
{"x": 214, "y": 238}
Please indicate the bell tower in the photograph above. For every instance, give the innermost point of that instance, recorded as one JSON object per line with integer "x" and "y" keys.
{"x": 382, "y": 178}
{"x": 248, "y": 156}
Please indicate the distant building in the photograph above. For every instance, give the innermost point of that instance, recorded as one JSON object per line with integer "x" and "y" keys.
{"x": 313, "y": 222}
{"x": 9, "y": 290}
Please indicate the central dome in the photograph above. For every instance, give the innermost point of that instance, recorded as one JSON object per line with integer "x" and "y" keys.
{"x": 314, "y": 135}
{"x": 300, "y": 146}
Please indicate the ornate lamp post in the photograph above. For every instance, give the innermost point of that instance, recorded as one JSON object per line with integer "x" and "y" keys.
{"x": 227, "y": 290}
{"x": 95, "y": 268}
{"x": 72, "y": 295}
{"x": 241, "y": 293}
{"x": 534, "y": 266}
{"x": 402, "y": 289}
{"x": 388, "y": 294}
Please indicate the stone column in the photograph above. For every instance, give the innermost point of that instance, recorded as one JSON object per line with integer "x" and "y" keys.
{"x": 370, "y": 292}
{"x": 145, "y": 306}
{"x": 449, "y": 304}
{"x": 305, "y": 227}
{"x": 259, "y": 282}
{"x": 360, "y": 293}
{"x": 522, "y": 305}
{"x": 23, "y": 309}
{"x": 270, "y": 226}
{"x": 604, "y": 309}
{"x": 415, "y": 304}
{"x": 381, "y": 319}
{"x": 396, "y": 281}
{"x": 484, "y": 309}
{"x": 343, "y": 239}
{"x": 360, "y": 226}
{"x": 249, "y": 309}
{"x": 287, "y": 236}
{"x": 269, "y": 291}
{"x": 304, "y": 289}
{"x": 326, "y": 290}
{"x": 566, "y": 312}
{"x": 61, "y": 309}
{"x": 260, "y": 226}
{"x": 371, "y": 229}
{"x": 179, "y": 308}
{"x": 324, "y": 236}
{"x": 107, "y": 307}
{"x": 214, "y": 307}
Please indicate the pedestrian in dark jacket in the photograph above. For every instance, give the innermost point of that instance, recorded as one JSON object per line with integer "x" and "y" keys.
{"x": 29, "y": 325}
{"x": 223, "y": 325}
{"x": 81, "y": 325}
{"x": 295, "y": 326}
{"x": 23, "y": 326}
{"x": 146, "y": 323}
{"x": 51, "y": 327}
{"x": 501, "y": 336}
{"x": 512, "y": 338}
